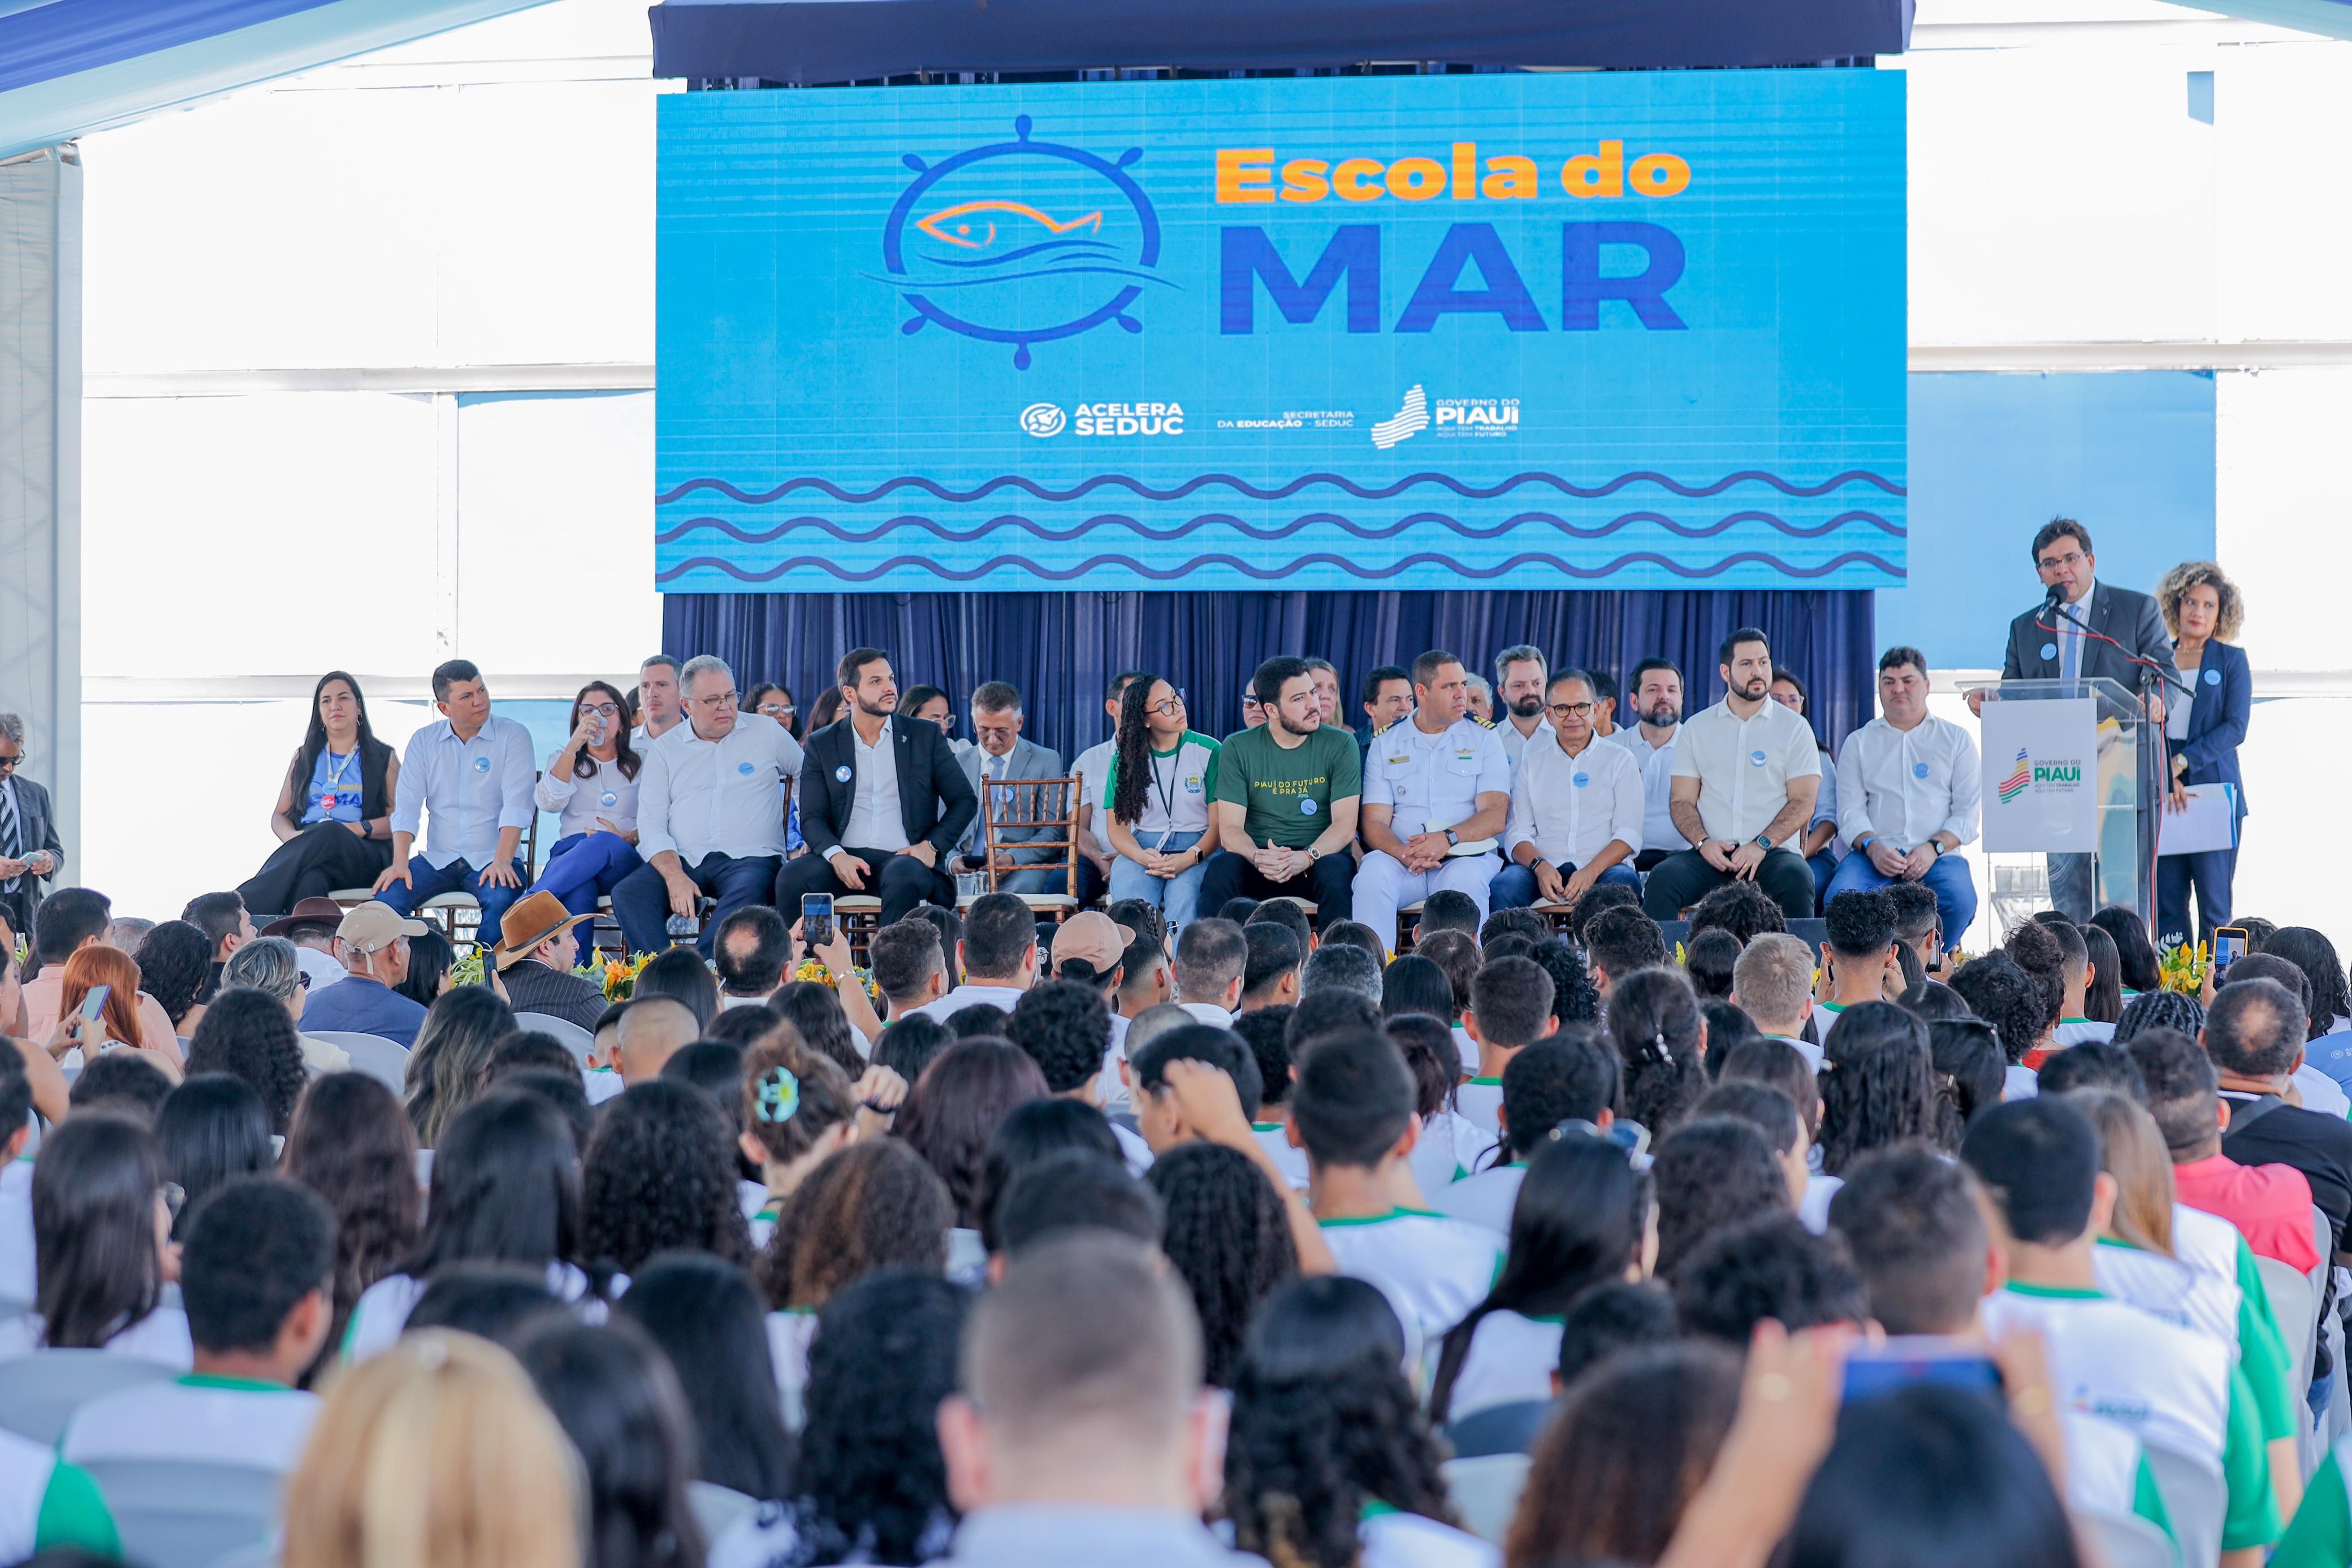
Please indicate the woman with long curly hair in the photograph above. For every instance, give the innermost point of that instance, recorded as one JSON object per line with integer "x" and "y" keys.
{"x": 248, "y": 1034}
{"x": 1878, "y": 1081}
{"x": 353, "y": 1144}
{"x": 1228, "y": 1233}
{"x": 590, "y": 783}
{"x": 1329, "y": 1452}
{"x": 2002, "y": 994}
{"x": 1162, "y": 774}
{"x": 173, "y": 960}
{"x": 659, "y": 1176}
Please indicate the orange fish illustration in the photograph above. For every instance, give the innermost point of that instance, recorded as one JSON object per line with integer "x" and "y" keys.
{"x": 956, "y": 224}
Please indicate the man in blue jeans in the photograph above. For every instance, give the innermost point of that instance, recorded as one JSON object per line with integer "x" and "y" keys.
{"x": 1908, "y": 788}
{"x": 471, "y": 775}
{"x": 1576, "y": 806}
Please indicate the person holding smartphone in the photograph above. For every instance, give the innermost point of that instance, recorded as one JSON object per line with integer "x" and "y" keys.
{"x": 1156, "y": 801}
{"x": 592, "y": 784}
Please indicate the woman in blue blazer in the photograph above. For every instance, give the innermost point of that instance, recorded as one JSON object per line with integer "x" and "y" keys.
{"x": 2201, "y": 735}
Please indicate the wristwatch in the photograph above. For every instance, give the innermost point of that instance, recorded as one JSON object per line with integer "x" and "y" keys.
{"x": 1763, "y": 841}
{"x": 1451, "y": 838}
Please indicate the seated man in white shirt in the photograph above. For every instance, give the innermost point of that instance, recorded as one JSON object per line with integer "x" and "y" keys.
{"x": 999, "y": 955}
{"x": 257, "y": 1280}
{"x": 1908, "y": 789}
{"x": 470, "y": 774}
{"x": 711, "y": 802}
{"x": 1576, "y": 807}
{"x": 1212, "y": 961}
{"x": 1436, "y": 786}
{"x": 1773, "y": 983}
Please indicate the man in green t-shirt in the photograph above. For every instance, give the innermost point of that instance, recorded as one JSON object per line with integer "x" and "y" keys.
{"x": 1287, "y": 793}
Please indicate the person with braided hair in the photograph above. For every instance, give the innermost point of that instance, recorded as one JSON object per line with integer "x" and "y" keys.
{"x": 2000, "y": 992}
{"x": 1878, "y": 1081}
{"x": 1661, "y": 1035}
{"x": 1225, "y": 1229}
{"x": 2160, "y": 1009}
{"x": 1329, "y": 1464}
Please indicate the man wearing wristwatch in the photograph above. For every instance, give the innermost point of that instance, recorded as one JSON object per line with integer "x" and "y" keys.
{"x": 1745, "y": 775}
{"x": 1432, "y": 785}
{"x": 1909, "y": 791}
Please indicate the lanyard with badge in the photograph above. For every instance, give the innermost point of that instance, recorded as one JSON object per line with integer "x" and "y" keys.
{"x": 1166, "y": 791}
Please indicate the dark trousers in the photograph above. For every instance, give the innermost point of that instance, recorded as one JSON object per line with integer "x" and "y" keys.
{"x": 2210, "y": 873}
{"x": 641, "y": 901}
{"x": 1683, "y": 879}
{"x": 1329, "y": 884}
{"x": 314, "y": 862}
{"x": 901, "y": 882}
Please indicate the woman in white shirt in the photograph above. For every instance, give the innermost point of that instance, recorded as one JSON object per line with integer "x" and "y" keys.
{"x": 1156, "y": 802}
{"x": 592, "y": 785}
{"x": 102, "y": 1247}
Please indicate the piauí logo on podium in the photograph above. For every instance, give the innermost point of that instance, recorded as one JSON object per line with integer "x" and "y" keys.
{"x": 2020, "y": 777}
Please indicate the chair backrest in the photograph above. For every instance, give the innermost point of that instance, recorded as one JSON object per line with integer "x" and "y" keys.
{"x": 2295, "y": 1305}
{"x": 717, "y": 1507}
{"x": 39, "y": 1392}
{"x": 2195, "y": 1500}
{"x": 187, "y": 1513}
{"x": 386, "y": 1061}
{"x": 1499, "y": 1429}
{"x": 2127, "y": 1540}
{"x": 1046, "y": 807}
{"x": 576, "y": 1041}
{"x": 2322, "y": 1241}
{"x": 1486, "y": 1492}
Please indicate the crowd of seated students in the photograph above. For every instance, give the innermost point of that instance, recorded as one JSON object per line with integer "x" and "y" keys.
{"x": 1121, "y": 1242}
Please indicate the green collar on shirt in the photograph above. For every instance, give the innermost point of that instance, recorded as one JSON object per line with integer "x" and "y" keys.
{"x": 1374, "y": 1508}
{"x": 239, "y": 1384}
{"x": 1830, "y": 1007}
{"x": 2074, "y": 1021}
{"x": 1266, "y": 1127}
{"x": 2054, "y": 1292}
{"x": 2116, "y": 1241}
{"x": 1378, "y": 1218}
{"x": 767, "y": 1214}
{"x": 1490, "y": 1083}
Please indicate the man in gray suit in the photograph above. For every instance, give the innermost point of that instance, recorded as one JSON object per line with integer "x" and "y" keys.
{"x": 2086, "y": 630}
{"x": 30, "y": 853}
{"x": 1001, "y": 754}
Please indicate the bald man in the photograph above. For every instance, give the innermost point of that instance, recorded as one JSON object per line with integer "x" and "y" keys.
{"x": 650, "y": 1033}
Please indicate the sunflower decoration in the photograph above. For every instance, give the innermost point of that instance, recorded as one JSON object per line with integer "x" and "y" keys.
{"x": 2182, "y": 968}
{"x": 814, "y": 972}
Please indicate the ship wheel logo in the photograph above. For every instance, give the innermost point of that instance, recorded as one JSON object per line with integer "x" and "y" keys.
{"x": 1022, "y": 242}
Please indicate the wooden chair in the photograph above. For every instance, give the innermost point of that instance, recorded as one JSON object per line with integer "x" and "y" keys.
{"x": 1048, "y": 809}
{"x": 459, "y": 915}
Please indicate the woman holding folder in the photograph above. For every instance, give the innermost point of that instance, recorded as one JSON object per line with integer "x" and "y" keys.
{"x": 2202, "y": 731}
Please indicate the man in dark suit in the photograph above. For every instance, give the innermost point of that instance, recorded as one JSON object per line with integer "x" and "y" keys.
{"x": 30, "y": 853}
{"x": 2071, "y": 641}
{"x": 883, "y": 803}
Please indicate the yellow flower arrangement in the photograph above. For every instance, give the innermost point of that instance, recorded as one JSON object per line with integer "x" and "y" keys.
{"x": 617, "y": 976}
{"x": 814, "y": 972}
{"x": 2182, "y": 968}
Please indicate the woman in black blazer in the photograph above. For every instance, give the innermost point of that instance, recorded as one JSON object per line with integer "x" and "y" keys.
{"x": 2204, "y": 613}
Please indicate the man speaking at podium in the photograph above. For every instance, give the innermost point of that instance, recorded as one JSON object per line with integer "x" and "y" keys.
{"x": 2087, "y": 630}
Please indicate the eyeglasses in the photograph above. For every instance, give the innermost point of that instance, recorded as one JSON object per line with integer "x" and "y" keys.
{"x": 302, "y": 978}
{"x": 2069, "y": 559}
{"x": 777, "y": 710}
{"x": 716, "y": 700}
{"x": 1167, "y": 709}
{"x": 8, "y": 762}
{"x": 1561, "y": 710}
{"x": 175, "y": 1196}
{"x": 605, "y": 710}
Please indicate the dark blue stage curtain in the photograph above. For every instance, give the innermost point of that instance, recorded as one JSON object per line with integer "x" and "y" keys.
{"x": 1062, "y": 649}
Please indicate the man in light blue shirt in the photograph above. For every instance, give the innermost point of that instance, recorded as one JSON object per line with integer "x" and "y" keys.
{"x": 471, "y": 773}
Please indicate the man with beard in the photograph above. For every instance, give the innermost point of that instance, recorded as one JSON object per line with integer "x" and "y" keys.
{"x": 1520, "y": 675}
{"x": 1658, "y": 706}
{"x": 882, "y": 802}
{"x": 1286, "y": 795}
{"x": 1745, "y": 775}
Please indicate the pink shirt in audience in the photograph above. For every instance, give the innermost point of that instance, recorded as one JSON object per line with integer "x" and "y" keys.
{"x": 2270, "y": 1204}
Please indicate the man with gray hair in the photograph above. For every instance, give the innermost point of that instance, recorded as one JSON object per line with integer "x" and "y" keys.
{"x": 30, "y": 853}
{"x": 1345, "y": 965}
{"x": 1004, "y": 754}
{"x": 1521, "y": 672}
{"x": 711, "y": 800}
{"x": 1773, "y": 983}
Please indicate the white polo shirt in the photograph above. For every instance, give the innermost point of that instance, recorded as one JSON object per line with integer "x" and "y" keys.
{"x": 1907, "y": 784}
{"x": 221, "y": 1420}
{"x": 1432, "y": 781}
{"x": 1743, "y": 765}
{"x": 1570, "y": 807}
{"x": 1432, "y": 1269}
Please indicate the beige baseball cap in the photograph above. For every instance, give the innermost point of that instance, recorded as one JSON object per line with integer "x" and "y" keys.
{"x": 371, "y": 926}
{"x": 1093, "y": 936}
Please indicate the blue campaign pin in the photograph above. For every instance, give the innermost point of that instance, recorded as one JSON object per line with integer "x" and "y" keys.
{"x": 2049, "y": 650}
{"x": 744, "y": 768}
{"x": 841, "y": 774}
{"x": 608, "y": 798}
{"x": 2212, "y": 677}
{"x": 481, "y": 765}
{"x": 1755, "y": 760}
{"x": 1582, "y": 779}
{"x": 1919, "y": 770}
{"x": 1307, "y": 808}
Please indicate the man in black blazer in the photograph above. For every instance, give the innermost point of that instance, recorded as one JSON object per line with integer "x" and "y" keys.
{"x": 853, "y": 768}
{"x": 30, "y": 853}
{"x": 2067, "y": 642}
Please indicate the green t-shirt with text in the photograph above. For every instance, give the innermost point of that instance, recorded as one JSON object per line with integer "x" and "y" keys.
{"x": 1289, "y": 793}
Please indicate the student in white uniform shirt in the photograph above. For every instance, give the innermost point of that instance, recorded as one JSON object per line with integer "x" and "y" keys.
{"x": 1570, "y": 1077}
{"x": 1263, "y": 1031}
{"x": 257, "y": 1277}
{"x": 1657, "y": 688}
{"x": 1438, "y": 790}
{"x": 471, "y": 773}
{"x": 1326, "y": 1439}
{"x": 798, "y": 1110}
{"x": 1511, "y": 1009}
{"x": 1584, "y": 1217}
{"x": 998, "y": 954}
{"x": 1772, "y": 982}
{"x": 1098, "y": 856}
{"x": 1858, "y": 958}
{"x": 506, "y": 1188}
{"x": 2074, "y": 954}
{"x": 1352, "y": 1108}
{"x": 1212, "y": 963}
{"x": 102, "y": 1250}
{"x": 1576, "y": 809}
{"x": 47, "y": 1504}
{"x": 2038, "y": 1161}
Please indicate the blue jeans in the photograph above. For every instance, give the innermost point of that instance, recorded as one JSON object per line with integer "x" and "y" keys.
{"x": 1948, "y": 879}
{"x": 581, "y": 869}
{"x": 1514, "y": 887}
{"x": 2210, "y": 873}
{"x": 457, "y": 876}
{"x": 1824, "y": 869}
{"x": 1176, "y": 897}
{"x": 641, "y": 902}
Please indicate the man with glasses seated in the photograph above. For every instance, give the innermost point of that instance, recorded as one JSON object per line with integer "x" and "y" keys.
{"x": 710, "y": 812}
{"x": 1577, "y": 806}
{"x": 471, "y": 774}
{"x": 30, "y": 853}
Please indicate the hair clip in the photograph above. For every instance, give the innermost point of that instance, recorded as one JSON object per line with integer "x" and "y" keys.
{"x": 1658, "y": 1045}
{"x": 779, "y": 1096}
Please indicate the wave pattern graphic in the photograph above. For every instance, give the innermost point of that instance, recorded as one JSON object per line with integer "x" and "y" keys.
{"x": 1276, "y": 493}
{"x": 1266, "y": 573}
{"x": 1014, "y": 521}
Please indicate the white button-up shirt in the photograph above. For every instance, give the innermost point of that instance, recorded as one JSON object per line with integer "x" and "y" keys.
{"x": 1570, "y": 807}
{"x": 1744, "y": 764}
{"x": 695, "y": 796}
{"x": 1434, "y": 781}
{"x": 1907, "y": 784}
{"x": 1657, "y": 766}
{"x": 1515, "y": 745}
{"x": 875, "y": 820}
{"x": 472, "y": 790}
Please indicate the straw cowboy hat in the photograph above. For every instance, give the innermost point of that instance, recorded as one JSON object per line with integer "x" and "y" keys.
{"x": 529, "y": 922}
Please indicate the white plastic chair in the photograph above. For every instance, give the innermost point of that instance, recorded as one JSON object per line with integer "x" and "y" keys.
{"x": 187, "y": 1513}
{"x": 2127, "y": 1540}
{"x": 1486, "y": 1492}
{"x": 386, "y": 1061}
{"x": 2195, "y": 1499}
{"x": 38, "y": 1392}
{"x": 717, "y": 1508}
{"x": 2295, "y": 1304}
{"x": 576, "y": 1041}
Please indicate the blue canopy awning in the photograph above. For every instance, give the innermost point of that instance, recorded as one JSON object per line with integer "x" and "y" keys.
{"x": 818, "y": 41}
